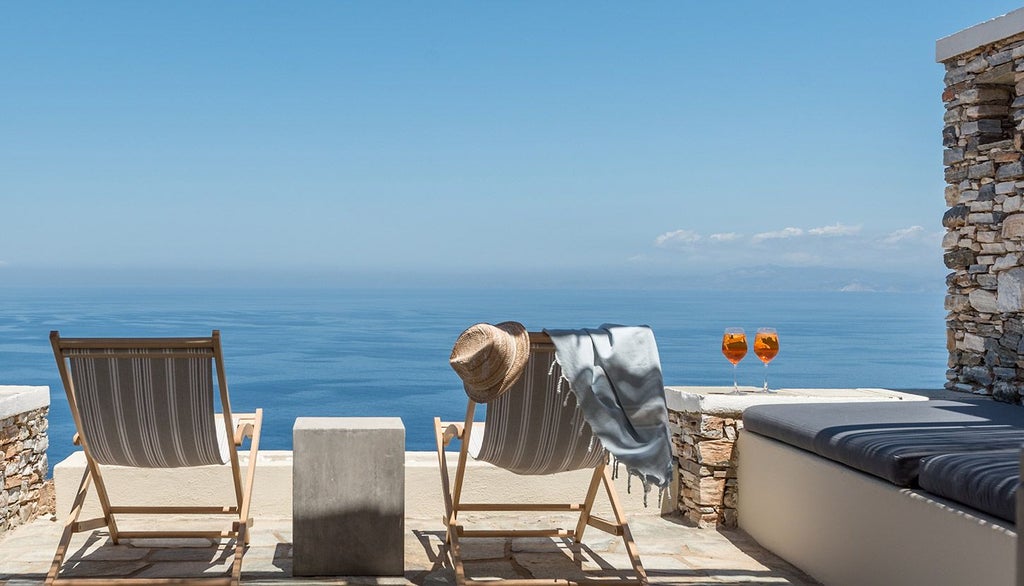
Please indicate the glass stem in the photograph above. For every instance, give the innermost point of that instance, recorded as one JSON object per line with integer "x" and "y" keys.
{"x": 766, "y": 377}
{"x": 735, "y": 385}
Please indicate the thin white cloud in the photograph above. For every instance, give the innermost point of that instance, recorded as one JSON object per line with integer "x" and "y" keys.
{"x": 789, "y": 232}
{"x": 836, "y": 229}
{"x": 725, "y": 237}
{"x": 836, "y": 245}
{"x": 902, "y": 234}
{"x": 677, "y": 238}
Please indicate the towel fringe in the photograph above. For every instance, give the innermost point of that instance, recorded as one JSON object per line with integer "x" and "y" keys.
{"x": 554, "y": 363}
{"x": 646, "y": 481}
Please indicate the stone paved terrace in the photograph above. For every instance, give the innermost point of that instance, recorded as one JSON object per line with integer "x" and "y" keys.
{"x": 672, "y": 552}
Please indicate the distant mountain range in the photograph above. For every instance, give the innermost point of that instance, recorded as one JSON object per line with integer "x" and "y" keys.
{"x": 770, "y": 277}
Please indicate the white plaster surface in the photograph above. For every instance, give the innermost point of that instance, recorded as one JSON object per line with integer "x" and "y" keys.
{"x": 204, "y": 485}
{"x": 21, "y": 399}
{"x": 847, "y": 528}
{"x": 336, "y": 423}
{"x": 978, "y": 35}
{"x": 272, "y": 495}
{"x": 719, "y": 400}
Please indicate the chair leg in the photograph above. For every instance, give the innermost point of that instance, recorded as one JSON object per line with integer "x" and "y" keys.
{"x": 455, "y": 553}
{"x": 620, "y": 519}
{"x": 588, "y": 503}
{"x": 69, "y": 528}
{"x": 241, "y": 540}
{"x": 450, "y": 504}
{"x": 442, "y": 462}
{"x": 250, "y": 473}
{"x": 101, "y": 494}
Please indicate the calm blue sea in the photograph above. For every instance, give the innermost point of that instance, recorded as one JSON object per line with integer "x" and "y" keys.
{"x": 346, "y": 352}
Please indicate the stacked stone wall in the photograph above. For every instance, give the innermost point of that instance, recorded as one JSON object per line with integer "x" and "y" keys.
{"x": 705, "y": 451}
{"x": 983, "y": 138}
{"x": 23, "y": 466}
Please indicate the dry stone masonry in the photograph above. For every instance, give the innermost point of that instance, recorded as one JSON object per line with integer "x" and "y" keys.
{"x": 983, "y": 136}
{"x": 23, "y": 443}
{"x": 705, "y": 451}
{"x": 24, "y": 492}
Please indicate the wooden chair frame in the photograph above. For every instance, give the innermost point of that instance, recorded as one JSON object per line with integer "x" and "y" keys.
{"x": 237, "y": 427}
{"x": 447, "y": 431}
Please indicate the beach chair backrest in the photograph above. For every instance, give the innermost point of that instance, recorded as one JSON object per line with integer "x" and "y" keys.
{"x": 145, "y": 403}
{"x": 536, "y": 427}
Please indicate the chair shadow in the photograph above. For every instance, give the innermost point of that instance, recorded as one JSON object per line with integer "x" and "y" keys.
{"x": 440, "y": 563}
{"x": 524, "y": 558}
{"x": 99, "y": 557}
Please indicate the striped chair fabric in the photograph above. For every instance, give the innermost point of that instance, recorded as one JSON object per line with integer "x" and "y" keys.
{"x": 147, "y": 410}
{"x": 536, "y": 427}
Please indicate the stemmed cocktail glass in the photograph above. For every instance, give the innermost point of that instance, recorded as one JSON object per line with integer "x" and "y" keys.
{"x": 734, "y": 347}
{"x": 766, "y": 346}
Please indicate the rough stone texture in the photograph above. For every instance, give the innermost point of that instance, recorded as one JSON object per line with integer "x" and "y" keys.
{"x": 348, "y": 478}
{"x": 705, "y": 450}
{"x": 1013, "y": 227}
{"x": 983, "y": 301}
{"x": 983, "y": 137}
{"x": 23, "y": 467}
{"x": 1011, "y": 290}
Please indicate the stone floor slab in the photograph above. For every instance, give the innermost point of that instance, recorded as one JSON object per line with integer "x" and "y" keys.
{"x": 101, "y": 569}
{"x": 99, "y": 550}
{"x": 672, "y": 552}
{"x": 184, "y": 569}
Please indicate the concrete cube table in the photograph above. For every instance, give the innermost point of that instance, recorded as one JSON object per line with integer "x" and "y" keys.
{"x": 348, "y": 485}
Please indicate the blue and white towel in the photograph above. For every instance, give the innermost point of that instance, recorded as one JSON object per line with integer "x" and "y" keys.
{"x": 615, "y": 373}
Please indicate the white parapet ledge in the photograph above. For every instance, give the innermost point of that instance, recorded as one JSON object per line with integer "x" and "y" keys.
{"x": 720, "y": 402}
{"x": 979, "y": 35}
{"x": 22, "y": 399}
{"x": 272, "y": 493}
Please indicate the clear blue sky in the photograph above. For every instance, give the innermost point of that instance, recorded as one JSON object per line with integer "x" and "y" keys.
{"x": 147, "y": 138}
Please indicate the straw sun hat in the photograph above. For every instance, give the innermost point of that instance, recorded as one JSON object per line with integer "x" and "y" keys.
{"x": 490, "y": 358}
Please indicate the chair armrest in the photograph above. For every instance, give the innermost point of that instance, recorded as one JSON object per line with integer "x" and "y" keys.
{"x": 245, "y": 424}
{"x": 451, "y": 430}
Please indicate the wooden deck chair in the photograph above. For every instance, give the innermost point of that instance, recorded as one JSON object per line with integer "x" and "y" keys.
{"x": 149, "y": 403}
{"x": 534, "y": 428}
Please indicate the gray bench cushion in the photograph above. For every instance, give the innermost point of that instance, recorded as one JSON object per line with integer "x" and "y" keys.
{"x": 888, "y": 439}
{"x": 986, "y": 481}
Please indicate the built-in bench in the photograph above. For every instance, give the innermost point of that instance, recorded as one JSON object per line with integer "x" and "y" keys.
{"x": 986, "y": 481}
{"x": 895, "y": 493}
